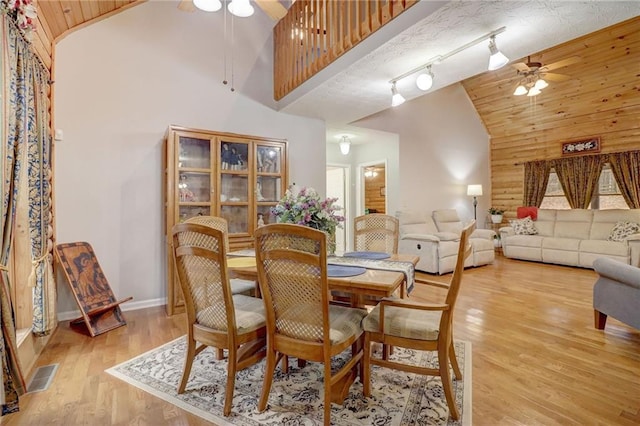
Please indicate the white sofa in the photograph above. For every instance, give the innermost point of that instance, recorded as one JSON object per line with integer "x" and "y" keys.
{"x": 434, "y": 238}
{"x": 574, "y": 237}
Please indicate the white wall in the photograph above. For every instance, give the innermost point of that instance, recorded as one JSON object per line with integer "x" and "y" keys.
{"x": 118, "y": 84}
{"x": 443, "y": 148}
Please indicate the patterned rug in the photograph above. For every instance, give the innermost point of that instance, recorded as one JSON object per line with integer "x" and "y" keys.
{"x": 398, "y": 398}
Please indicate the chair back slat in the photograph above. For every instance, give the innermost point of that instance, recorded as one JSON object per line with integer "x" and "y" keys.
{"x": 376, "y": 232}
{"x": 293, "y": 282}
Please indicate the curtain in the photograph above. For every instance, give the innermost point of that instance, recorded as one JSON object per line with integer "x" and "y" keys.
{"x": 626, "y": 169}
{"x": 11, "y": 147}
{"x": 579, "y": 178}
{"x": 536, "y": 178}
{"x": 39, "y": 185}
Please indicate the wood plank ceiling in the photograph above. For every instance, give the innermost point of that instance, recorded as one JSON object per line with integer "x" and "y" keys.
{"x": 63, "y": 16}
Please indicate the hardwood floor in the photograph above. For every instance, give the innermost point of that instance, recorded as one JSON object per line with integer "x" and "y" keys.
{"x": 537, "y": 358}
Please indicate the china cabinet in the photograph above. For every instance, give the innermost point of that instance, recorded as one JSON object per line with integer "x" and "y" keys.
{"x": 233, "y": 176}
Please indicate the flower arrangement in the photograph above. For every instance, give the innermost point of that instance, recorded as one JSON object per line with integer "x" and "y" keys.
{"x": 495, "y": 210}
{"x": 24, "y": 14}
{"x": 307, "y": 209}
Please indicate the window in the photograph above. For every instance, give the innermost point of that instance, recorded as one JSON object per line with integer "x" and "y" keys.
{"x": 554, "y": 197}
{"x": 607, "y": 194}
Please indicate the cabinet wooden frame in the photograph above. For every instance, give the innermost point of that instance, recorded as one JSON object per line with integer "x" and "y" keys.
{"x": 218, "y": 203}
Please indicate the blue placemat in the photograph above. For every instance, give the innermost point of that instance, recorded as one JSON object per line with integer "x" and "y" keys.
{"x": 344, "y": 271}
{"x": 377, "y": 255}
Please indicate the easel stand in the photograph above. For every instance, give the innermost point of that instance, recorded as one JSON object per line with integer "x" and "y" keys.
{"x": 98, "y": 305}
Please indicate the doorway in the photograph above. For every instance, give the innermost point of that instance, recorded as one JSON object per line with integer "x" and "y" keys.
{"x": 372, "y": 186}
{"x": 338, "y": 187}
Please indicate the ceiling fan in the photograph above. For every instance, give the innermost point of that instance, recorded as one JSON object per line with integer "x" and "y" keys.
{"x": 534, "y": 75}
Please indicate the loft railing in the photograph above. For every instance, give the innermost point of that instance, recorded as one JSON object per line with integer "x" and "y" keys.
{"x": 314, "y": 33}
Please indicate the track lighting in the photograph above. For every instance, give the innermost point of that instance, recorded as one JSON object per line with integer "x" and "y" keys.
{"x": 345, "y": 145}
{"x": 208, "y": 5}
{"x": 425, "y": 80}
{"x": 240, "y": 8}
{"x": 497, "y": 58}
{"x": 396, "y": 98}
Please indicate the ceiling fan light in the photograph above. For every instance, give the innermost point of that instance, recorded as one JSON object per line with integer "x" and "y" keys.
{"x": 497, "y": 58}
{"x": 540, "y": 84}
{"x": 520, "y": 90}
{"x": 240, "y": 8}
{"x": 396, "y": 98}
{"x": 425, "y": 80}
{"x": 208, "y": 5}
{"x": 533, "y": 91}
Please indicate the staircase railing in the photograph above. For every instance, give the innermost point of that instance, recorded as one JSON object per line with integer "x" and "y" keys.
{"x": 314, "y": 33}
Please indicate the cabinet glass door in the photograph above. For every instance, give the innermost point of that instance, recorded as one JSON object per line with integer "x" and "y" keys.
{"x": 194, "y": 183}
{"x": 235, "y": 188}
{"x": 269, "y": 181}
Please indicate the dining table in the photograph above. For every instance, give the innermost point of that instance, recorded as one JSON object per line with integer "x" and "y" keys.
{"x": 377, "y": 280}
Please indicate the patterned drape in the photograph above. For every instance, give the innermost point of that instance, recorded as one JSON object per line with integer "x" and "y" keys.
{"x": 579, "y": 178}
{"x": 626, "y": 169}
{"x": 11, "y": 147}
{"x": 536, "y": 178}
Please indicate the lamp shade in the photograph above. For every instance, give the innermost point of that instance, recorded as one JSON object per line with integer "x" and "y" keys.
{"x": 240, "y": 8}
{"x": 474, "y": 190}
{"x": 208, "y": 5}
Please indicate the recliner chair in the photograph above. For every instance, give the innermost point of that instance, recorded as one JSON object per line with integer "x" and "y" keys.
{"x": 434, "y": 238}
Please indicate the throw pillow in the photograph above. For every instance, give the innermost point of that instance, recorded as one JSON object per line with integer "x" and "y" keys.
{"x": 622, "y": 230}
{"x": 523, "y": 212}
{"x": 523, "y": 226}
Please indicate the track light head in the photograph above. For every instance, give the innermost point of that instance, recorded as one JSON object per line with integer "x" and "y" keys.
{"x": 396, "y": 98}
{"x": 497, "y": 59}
{"x": 425, "y": 80}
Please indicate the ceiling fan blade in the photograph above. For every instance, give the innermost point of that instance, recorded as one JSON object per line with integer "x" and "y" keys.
{"x": 520, "y": 66}
{"x": 554, "y": 77}
{"x": 186, "y": 6}
{"x": 563, "y": 63}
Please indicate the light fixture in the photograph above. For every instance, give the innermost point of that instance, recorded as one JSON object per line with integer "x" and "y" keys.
{"x": 345, "y": 145}
{"x": 520, "y": 90}
{"x": 370, "y": 172}
{"x": 533, "y": 91}
{"x": 425, "y": 80}
{"x": 208, "y": 5}
{"x": 396, "y": 98}
{"x": 474, "y": 191}
{"x": 497, "y": 58}
{"x": 540, "y": 84}
{"x": 240, "y": 8}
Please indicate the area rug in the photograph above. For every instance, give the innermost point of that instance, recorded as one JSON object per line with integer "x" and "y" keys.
{"x": 398, "y": 398}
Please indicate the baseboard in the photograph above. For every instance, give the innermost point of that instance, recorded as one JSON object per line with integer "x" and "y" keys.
{"x": 129, "y": 306}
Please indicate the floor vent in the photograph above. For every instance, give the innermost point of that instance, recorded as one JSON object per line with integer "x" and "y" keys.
{"x": 42, "y": 378}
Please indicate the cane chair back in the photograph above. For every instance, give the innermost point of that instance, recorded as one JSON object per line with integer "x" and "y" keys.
{"x": 419, "y": 326}
{"x": 376, "y": 232}
{"x": 292, "y": 271}
{"x": 215, "y": 316}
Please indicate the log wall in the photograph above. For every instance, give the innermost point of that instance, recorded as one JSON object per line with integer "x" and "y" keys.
{"x": 601, "y": 98}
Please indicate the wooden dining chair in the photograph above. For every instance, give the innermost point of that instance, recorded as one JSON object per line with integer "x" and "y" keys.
{"x": 419, "y": 326}
{"x": 376, "y": 232}
{"x": 215, "y": 316}
{"x": 292, "y": 270}
{"x": 372, "y": 232}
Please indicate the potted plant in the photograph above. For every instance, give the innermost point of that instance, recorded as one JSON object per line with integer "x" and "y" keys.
{"x": 496, "y": 214}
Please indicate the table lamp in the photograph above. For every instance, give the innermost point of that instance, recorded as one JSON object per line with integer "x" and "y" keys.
{"x": 475, "y": 191}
